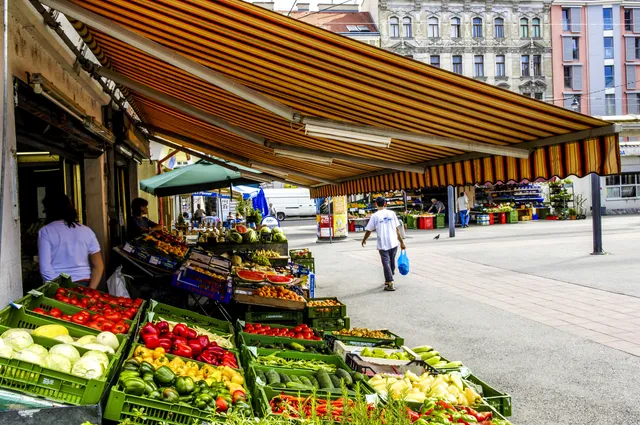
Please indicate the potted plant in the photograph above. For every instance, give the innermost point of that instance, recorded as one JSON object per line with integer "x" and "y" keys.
{"x": 572, "y": 213}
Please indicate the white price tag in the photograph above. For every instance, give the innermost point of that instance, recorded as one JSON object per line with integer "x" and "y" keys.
{"x": 253, "y": 350}
{"x": 371, "y": 398}
{"x": 150, "y": 316}
{"x": 154, "y": 260}
{"x": 127, "y": 248}
{"x": 35, "y": 293}
{"x": 465, "y": 372}
{"x": 260, "y": 382}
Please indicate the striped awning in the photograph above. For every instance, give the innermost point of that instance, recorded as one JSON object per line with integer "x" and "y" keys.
{"x": 325, "y": 75}
{"x": 568, "y": 159}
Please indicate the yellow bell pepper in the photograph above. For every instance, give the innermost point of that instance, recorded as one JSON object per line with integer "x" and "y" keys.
{"x": 158, "y": 352}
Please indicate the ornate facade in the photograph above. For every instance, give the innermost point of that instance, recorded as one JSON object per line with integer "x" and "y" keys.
{"x": 504, "y": 43}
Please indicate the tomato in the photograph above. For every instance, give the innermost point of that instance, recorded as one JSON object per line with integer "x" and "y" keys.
{"x": 107, "y": 326}
{"x": 299, "y": 336}
{"x": 79, "y": 318}
{"x": 65, "y": 300}
{"x": 113, "y": 316}
{"x": 297, "y": 328}
{"x": 261, "y": 333}
{"x": 40, "y": 311}
{"x": 55, "y": 312}
{"x": 119, "y": 328}
{"x": 266, "y": 328}
{"x": 74, "y": 301}
{"x": 257, "y": 326}
{"x": 316, "y": 338}
{"x": 94, "y": 325}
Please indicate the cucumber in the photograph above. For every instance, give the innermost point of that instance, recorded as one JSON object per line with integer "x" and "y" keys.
{"x": 337, "y": 382}
{"x": 324, "y": 382}
{"x": 344, "y": 375}
{"x": 314, "y": 381}
{"x": 305, "y": 381}
{"x": 278, "y": 385}
{"x": 295, "y": 378}
{"x": 357, "y": 376}
{"x": 260, "y": 374}
{"x": 299, "y": 386}
{"x": 422, "y": 349}
{"x": 284, "y": 378}
{"x": 272, "y": 377}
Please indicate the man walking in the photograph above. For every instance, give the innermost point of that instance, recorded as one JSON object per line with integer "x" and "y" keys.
{"x": 387, "y": 228}
{"x": 272, "y": 211}
{"x": 199, "y": 215}
{"x": 463, "y": 209}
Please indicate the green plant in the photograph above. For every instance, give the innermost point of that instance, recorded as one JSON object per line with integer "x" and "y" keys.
{"x": 572, "y": 212}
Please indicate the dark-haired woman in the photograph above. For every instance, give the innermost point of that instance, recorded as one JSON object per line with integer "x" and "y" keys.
{"x": 138, "y": 224}
{"x": 66, "y": 246}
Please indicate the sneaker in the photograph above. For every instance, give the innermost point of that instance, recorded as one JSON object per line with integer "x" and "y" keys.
{"x": 389, "y": 287}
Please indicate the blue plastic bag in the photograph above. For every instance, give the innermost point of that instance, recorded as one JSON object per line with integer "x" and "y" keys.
{"x": 403, "y": 263}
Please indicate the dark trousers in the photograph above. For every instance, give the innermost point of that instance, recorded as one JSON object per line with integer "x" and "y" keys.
{"x": 388, "y": 258}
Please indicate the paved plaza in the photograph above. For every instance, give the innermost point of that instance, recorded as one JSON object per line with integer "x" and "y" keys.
{"x": 524, "y": 306}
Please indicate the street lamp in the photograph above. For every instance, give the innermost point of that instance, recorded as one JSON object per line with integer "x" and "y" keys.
{"x": 575, "y": 105}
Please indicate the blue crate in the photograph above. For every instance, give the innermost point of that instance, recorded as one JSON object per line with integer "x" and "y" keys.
{"x": 217, "y": 291}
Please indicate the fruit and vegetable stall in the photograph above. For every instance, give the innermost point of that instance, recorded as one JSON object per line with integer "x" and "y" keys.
{"x": 68, "y": 347}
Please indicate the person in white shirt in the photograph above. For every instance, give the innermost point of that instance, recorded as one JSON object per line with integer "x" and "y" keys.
{"x": 387, "y": 228}
{"x": 463, "y": 209}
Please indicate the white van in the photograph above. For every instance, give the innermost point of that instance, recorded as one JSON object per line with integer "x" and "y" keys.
{"x": 291, "y": 202}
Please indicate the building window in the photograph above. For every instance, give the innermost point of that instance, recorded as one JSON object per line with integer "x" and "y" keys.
{"x": 406, "y": 28}
{"x": 568, "y": 77}
{"x": 538, "y": 96}
{"x": 637, "y": 49}
{"x": 633, "y": 103}
{"x": 498, "y": 25}
{"x": 628, "y": 19}
{"x": 435, "y": 61}
{"x": 537, "y": 65}
{"x": 478, "y": 66}
{"x": 607, "y": 17}
{"x": 610, "y": 104}
{"x": 433, "y": 28}
{"x": 622, "y": 186}
{"x": 457, "y": 64}
{"x": 566, "y": 19}
{"x": 500, "y": 67}
{"x": 536, "y": 28}
{"x": 394, "y": 27}
{"x": 477, "y": 28}
{"x": 526, "y": 94}
{"x": 608, "y": 47}
{"x": 455, "y": 27}
{"x": 576, "y": 103}
{"x": 524, "y": 61}
{"x": 609, "y": 80}
{"x": 524, "y": 28}
{"x": 575, "y": 47}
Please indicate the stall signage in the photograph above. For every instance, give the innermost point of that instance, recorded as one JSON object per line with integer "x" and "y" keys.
{"x": 270, "y": 222}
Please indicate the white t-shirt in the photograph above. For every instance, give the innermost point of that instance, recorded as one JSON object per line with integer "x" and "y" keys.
{"x": 462, "y": 203}
{"x": 64, "y": 249}
{"x": 384, "y": 222}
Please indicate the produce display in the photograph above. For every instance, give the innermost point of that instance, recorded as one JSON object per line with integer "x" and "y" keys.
{"x": 417, "y": 388}
{"x": 363, "y": 333}
{"x": 84, "y": 317}
{"x": 299, "y": 332}
{"x": 441, "y": 412}
{"x": 278, "y": 360}
{"x": 381, "y": 354}
{"x": 301, "y": 254}
{"x": 166, "y": 243}
{"x": 278, "y": 292}
{"x": 223, "y": 341}
{"x": 251, "y": 276}
{"x": 64, "y": 357}
{"x": 206, "y": 388}
{"x": 324, "y": 303}
{"x": 242, "y": 234}
{"x": 322, "y": 380}
{"x": 432, "y": 357}
{"x": 294, "y": 346}
{"x": 308, "y": 407}
{"x": 267, "y": 253}
{"x": 186, "y": 342}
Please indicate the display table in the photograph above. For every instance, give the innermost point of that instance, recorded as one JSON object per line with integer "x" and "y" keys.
{"x": 220, "y": 248}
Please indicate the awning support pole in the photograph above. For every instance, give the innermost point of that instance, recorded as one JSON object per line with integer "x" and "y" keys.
{"x": 451, "y": 210}
{"x": 596, "y": 215}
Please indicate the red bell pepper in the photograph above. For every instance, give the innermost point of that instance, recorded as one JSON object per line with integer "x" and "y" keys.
{"x": 179, "y": 340}
{"x": 165, "y": 342}
{"x": 151, "y": 341}
{"x": 182, "y": 350}
{"x": 180, "y": 329}
{"x": 208, "y": 357}
{"x": 190, "y": 333}
{"x": 203, "y": 340}
{"x": 149, "y": 329}
{"x": 163, "y": 327}
{"x": 196, "y": 348}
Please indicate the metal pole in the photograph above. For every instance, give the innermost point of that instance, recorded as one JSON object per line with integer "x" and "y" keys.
{"x": 451, "y": 210}
{"x": 596, "y": 215}
{"x": 5, "y": 112}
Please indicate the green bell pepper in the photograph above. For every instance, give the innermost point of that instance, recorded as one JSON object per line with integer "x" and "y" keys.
{"x": 127, "y": 374}
{"x": 147, "y": 377}
{"x": 170, "y": 395}
{"x": 149, "y": 387}
{"x": 186, "y": 398}
{"x": 155, "y": 395}
{"x": 164, "y": 376}
{"x": 185, "y": 385}
{"x": 146, "y": 367}
{"x": 202, "y": 384}
{"x": 134, "y": 386}
{"x": 131, "y": 364}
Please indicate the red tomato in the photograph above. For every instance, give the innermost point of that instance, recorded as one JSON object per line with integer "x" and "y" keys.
{"x": 74, "y": 301}
{"x": 66, "y": 317}
{"x": 316, "y": 338}
{"x": 40, "y": 311}
{"x": 299, "y": 336}
{"x": 266, "y": 328}
{"x": 65, "y": 299}
{"x": 55, "y": 312}
{"x": 257, "y": 326}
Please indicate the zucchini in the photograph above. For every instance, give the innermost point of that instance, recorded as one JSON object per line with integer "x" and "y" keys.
{"x": 272, "y": 377}
{"x": 344, "y": 375}
{"x": 337, "y": 382}
{"x": 295, "y": 378}
{"x": 284, "y": 378}
{"x": 314, "y": 381}
{"x": 324, "y": 382}
{"x": 305, "y": 381}
{"x": 299, "y": 386}
{"x": 260, "y": 374}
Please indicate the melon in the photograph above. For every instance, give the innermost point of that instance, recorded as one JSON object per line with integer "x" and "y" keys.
{"x": 251, "y": 276}
{"x": 279, "y": 279}
{"x": 241, "y": 228}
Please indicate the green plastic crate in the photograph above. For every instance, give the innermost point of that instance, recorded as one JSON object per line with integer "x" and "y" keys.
{"x": 307, "y": 262}
{"x": 248, "y": 357}
{"x": 395, "y": 340}
{"x": 261, "y": 340}
{"x": 293, "y": 253}
{"x": 500, "y": 401}
{"x": 121, "y": 406}
{"x": 439, "y": 221}
{"x": 412, "y": 222}
{"x": 332, "y": 312}
{"x": 190, "y": 318}
{"x": 289, "y": 317}
{"x": 329, "y": 324}
{"x": 29, "y": 378}
{"x": 512, "y": 217}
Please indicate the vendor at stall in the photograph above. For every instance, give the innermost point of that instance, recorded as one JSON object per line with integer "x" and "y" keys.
{"x": 138, "y": 224}
{"x": 66, "y": 246}
{"x": 437, "y": 206}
